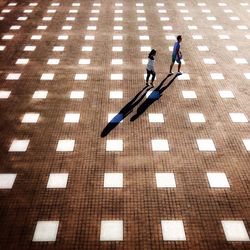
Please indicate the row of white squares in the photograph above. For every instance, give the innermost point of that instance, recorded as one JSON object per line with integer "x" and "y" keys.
{"x": 116, "y": 76}
{"x": 115, "y": 94}
{"x": 160, "y": 145}
{"x": 112, "y": 230}
{"x": 115, "y": 180}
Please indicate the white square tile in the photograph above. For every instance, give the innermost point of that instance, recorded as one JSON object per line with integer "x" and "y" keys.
{"x": 206, "y": 11}
{"x": 15, "y": 27}
{"x": 160, "y": 145}
{"x": 67, "y": 27}
{"x": 95, "y": 11}
{"x": 203, "y": 48}
{"x": 87, "y": 48}
{"x": 164, "y": 18}
{"x": 89, "y": 38}
{"x": 246, "y": 143}
{"x": 196, "y": 117}
{"x": 111, "y": 230}
{"x": 114, "y": 145}
{"x": 27, "y": 11}
{"x": 57, "y": 180}
{"x": 247, "y": 75}
{"x": 167, "y": 27}
{"x": 217, "y": 27}
{"x": 218, "y": 180}
{"x": 226, "y": 94}
{"x": 70, "y": 18}
{"x": 240, "y": 61}
{"x": 187, "y": 18}
{"x": 244, "y": 4}
{"x": 162, "y": 11}
{"x": 58, "y": 48}
{"x": 144, "y": 61}
{"x": 4, "y": 94}
{"x": 84, "y": 61}
{"x": 29, "y": 48}
{"x": 118, "y": 4}
{"x": 192, "y": 27}
{"x": 184, "y": 76}
{"x": 211, "y": 18}
{"x": 36, "y": 37}
{"x": 140, "y": 11}
{"x": 42, "y": 27}
{"x": 184, "y": 11}
{"x": 115, "y": 117}
{"x": 118, "y": 28}
{"x": 93, "y": 19}
{"x": 232, "y": 48}
{"x": 113, "y": 180}
{"x": 77, "y": 95}
{"x": 22, "y": 61}
{"x": 47, "y": 18}
{"x": 117, "y": 48}
{"x": 165, "y": 180}
{"x": 81, "y": 77}
{"x": 238, "y": 117}
{"x": 235, "y": 230}
{"x": 201, "y": 4}
{"x": 173, "y": 230}
{"x": 145, "y": 48}
{"x": 40, "y": 94}
{"x": 154, "y": 118}
{"x": 76, "y": 4}
{"x": 22, "y": 18}
{"x": 7, "y": 181}
{"x": 170, "y": 37}
{"x": 222, "y": 4}
{"x": 33, "y": 4}
{"x": 118, "y": 19}
{"x": 206, "y": 145}
{"x": 30, "y": 118}
{"x": 47, "y": 76}
{"x": 7, "y": 37}
{"x": 2, "y": 47}
{"x": 141, "y": 19}
{"x": 53, "y": 61}
{"x": 118, "y": 11}
{"x": 117, "y": 62}
{"x": 65, "y": 145}
{"x": 91, "y": 27}
{"x": 71, "y": 117}
{"x": 242, "y": 27}
{"x": 12, "y": 4}
{"x": 142, "y": 28}
{"x": 228, "y": 11}
{"x": 13, "y": 76}
{"x": 73, "y": 11}
{"x": 117, "y": 37}
{"x": 224, "y": 37}
{"x": 197, "y": 37}
{"x": 45, "y": 231}
{"x": 144, "y": 37}
{"x": 116, "y": 94}
{"x": 96, "y": 4}
{"x": 234, "y": 18}
{"x": 209, "y": 61}
{"x": 217, "y": 76}
{"x": 63, "y": 37}
{"x": 19, "y": 145}
{"x": 117, "y": 77}
{"x": 189, "y": 94}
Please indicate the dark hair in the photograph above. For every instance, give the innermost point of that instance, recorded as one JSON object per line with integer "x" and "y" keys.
{"x": 179, "y": 38}
{"x": 152, "y": 53}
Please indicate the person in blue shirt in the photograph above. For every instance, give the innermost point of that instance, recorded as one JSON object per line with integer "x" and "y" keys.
{"x": 176, "y": 55}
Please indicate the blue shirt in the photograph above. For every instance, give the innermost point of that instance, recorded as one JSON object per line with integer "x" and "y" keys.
{"x": 176, "y": 48}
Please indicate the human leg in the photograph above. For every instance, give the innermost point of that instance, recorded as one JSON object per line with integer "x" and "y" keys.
{"x": 148, "y": 75}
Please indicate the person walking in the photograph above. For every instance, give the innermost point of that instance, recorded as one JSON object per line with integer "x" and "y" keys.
{"x": 150, "y": 67}
{"x": 176, "y": 55}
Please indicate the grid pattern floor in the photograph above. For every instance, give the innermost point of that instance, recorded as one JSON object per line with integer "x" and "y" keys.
{"x": 91, "y": 158}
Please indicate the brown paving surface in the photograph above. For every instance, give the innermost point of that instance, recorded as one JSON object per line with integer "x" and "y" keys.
{"x": 140, "y": 204}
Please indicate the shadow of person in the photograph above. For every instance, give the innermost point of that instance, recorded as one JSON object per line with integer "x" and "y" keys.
{"x": 154, "y": 96}
{"x": 125, "y": 111}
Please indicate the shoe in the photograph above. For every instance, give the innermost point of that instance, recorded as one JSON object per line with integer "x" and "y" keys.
{"x": 171, "y": 73}
{"x": 147, "y": 84}
{"x": 179, "y": 73}
{"x": 152, "y": 84}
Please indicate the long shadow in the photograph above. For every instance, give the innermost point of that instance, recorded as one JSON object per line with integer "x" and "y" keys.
{"x": 125, "y": 111}
{"x": 154, "y": 96}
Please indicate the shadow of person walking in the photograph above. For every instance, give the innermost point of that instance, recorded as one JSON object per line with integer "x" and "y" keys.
{"x": 154, "y": 96}
{"x": 125, "y": 111}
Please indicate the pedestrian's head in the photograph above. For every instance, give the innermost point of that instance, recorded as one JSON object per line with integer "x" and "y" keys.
{"x": 179, "y": 38}
{"x": 152, "y": 52}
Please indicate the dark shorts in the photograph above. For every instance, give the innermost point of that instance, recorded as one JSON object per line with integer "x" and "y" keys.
{"x": 175, "y": 58}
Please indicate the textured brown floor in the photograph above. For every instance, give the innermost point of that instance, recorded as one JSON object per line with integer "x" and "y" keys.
{"x": 140, "y": 204}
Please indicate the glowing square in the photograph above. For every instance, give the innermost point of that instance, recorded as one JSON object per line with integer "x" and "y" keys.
{"x": 228, "y": 11}
{"x": 7, "y": 181}
{"x": 87, "y": 48}
{"x": 192, "y": 27}
{"x": 47, "y": 18}
{"x": 139, "y": 4}
{"x": 58, "y": 48}
{"x": 234, "y": 18}
{"x": 203, "y": 48}
{"x": 15, "y": 27}
{"x": 29, "y": 48}
{"x": 57, "y": 180}
{"x": 22, "y": 18}
{"x": 170, "y": 37}
{"x": 218, "y": 180}
{"x": 226, "y": 94}
{"x": 12, "y": 4}
{"x": 41, "y": 27}
{"x": 84, "y": 61}
{"x": 95, "y": 11}
{"x": 76, "y": 4}
{"x": 238, "y": 117}
{"x": 117, "y": 61}
{"x": 27, "y": 11}
{"x": 144, "y": 61}
{"x": 30, "y": 118}
{"x": 196, "y": 117}
{"x": 201, "y": 4}
{"x": 165, "y": 180}
{"x": 4, "y": 94}
{"x": 71, "y": 118}
{"x": 19, "y": 145}
{"x": 2, "y": 47}
{"x": 36, "y": 37}
{"x": 217, "y": 76}
{"x": 167, "y": 28}
{"x": 118, "y": 11}
{"x": 22, "y": 61}
{"x": 222, "y": 4}
{"x": 240, "y": 60}
{"x": 89, "y": 38}
{"x": 184, "y": 76}
{"x": 247, "y": 75}
{"x": 189, "y": 94}
{"x": 145, "y": 48}
{"x": 161, "y": 11}
{"x": 224, "y": 37}
{"x": 209, "y": 61}
{"x": 65, "y": 145}
{"x": 115, "y": 118}
{"x": 118, "y": 19}
{"x": 63, "y": 37}
{"x": 247, "y": 37}
{"x": 45, "y": 231}
{"x": 7, "y": 37}
{"x": 141, "y": 19}
{"x": 111, "y": 230}
{"x": 73, "y": 11}
{"x": 211, "y": 18}
{"x": 70, "y": 18}
{"x": 77, "y": 95}
{"x": 235, "y": 230}
{"x": 116, "y": 94}
{"x": 142, "y": 28}
{"x": 242, "y": 27}
{"x": 97, "y": 4}
{"x": 114, "y": 145}
{"x": 246, "y": 143}
{"x": 81, "y": 77}
{"x": 117, "y": 48}
{"x": 144, "y": 38}
{"x": 184, "y": 11}
{"x": 232, "y": 48}
{"x": 117, "y": 37}
{"x": 113, "y": 180}
{"x": 118, "y": 28}
{"x": 40, "y": 94}
{"x": 66, "y": 27}
{"x": 51, "y": 11}
{"x": 206, "y": 145}
{"x": 217, "y": 27}
{"x": 55, "y": 4}
{"x": 140, "y": 11}
{"x": 47, "y": 76}
{"x": 154, "y": 117}
{"x": 197, "y": 37}
{"x": 33, "y": 4}
{"x": 93, "y": 19}
{"x": 173, "y": 230}
{"x": 117, "y": 77}
{"x": 160, "y": 145}
{"x": 118, "y": 4}
{"x": 163, "y": 19}
{"x": 91, "y": 28}
{"x": 13, "y": 76}
{"x": 53, "y": 61}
